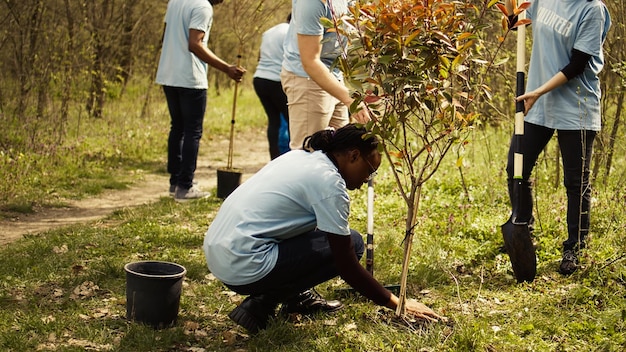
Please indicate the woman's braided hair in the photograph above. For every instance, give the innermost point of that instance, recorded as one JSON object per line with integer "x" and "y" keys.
{"x": 345, "y": 138}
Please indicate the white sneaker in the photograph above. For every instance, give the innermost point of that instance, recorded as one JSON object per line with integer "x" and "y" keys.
{"x": 173, "y": 188}
{"x": 183, "y": 195}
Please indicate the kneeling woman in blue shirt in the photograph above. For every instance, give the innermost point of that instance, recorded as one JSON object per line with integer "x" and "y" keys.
{"x": 285, "y": 230}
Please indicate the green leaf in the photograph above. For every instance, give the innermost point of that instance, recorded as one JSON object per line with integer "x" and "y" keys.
{"x": 327, "y": 23}
{"x": 386, "y": 59}
{"x": 444, "y": 61}
{"x": 443, "y": 72}
{"x": 491, "y": 3}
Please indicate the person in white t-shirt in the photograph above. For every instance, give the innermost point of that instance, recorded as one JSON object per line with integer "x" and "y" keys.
{"x": 182, "y": 72}
{"x": 266, "y": 81}
{"x": 563, "y": 95}
{"x": 285, "y": 230}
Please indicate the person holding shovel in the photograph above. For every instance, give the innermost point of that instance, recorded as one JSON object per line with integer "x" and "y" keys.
{"x": 182, "y": 72}
{"x": 316, "y": 95}
{"x": 563, "y": 95}
{"x": 285, "y": 230}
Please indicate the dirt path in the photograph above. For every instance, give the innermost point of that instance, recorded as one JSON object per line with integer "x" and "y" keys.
{"x": 250, "y": 155}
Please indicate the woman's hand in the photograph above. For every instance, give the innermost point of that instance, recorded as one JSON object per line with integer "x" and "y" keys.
{"x": 529, "y": 100}
{"x": 362, "y": 114}
{"x": 420, "y": 311}
{"x": 416, "y": 310}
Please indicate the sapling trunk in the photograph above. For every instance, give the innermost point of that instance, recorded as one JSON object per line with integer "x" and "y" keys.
{"x": 411, "y": 221}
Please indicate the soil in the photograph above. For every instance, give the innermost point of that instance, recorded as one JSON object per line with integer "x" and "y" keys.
{"x": 250, "y": 155}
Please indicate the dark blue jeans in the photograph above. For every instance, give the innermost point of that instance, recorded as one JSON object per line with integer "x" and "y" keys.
{"x": 576, "y": 150}
{"x": 187, "y": 107}
{"x": 274, "y": 101}
{"x": 303, "y": 262}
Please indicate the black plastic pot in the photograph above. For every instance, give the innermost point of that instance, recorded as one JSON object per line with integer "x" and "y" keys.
{"x": 153, "y": 291}
{"x": 227, "y": 181}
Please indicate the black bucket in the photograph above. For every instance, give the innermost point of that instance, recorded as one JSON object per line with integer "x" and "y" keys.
{"x": 227, "y": 181}
{"x": 153, "y": 291}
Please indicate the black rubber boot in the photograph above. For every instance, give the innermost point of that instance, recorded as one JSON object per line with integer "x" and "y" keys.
{"x": 254, "y": 313}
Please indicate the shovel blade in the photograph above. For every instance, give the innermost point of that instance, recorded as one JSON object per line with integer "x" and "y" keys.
{"x": 521, "y": 251}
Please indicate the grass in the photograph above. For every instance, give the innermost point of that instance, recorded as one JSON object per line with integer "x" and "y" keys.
{"x": 64, "y": 290}
{"x": 99, "y": 154}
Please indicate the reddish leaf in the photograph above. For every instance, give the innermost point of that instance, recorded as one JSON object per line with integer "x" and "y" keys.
{"x": 503, "y": 9}
{"x": 371, "y": 99}
{"x": 523, "y": 22}
{"x": 523, "y": 6}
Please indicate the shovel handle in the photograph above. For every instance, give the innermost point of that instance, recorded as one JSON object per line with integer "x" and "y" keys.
{"x": 232, "y": 121}
{"x": 369, "y": 256}
{"x": 518, "y": 157}
{"x": 521, "y": 62}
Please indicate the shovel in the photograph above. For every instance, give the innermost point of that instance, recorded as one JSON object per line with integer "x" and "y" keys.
{"x": 369, "y": 245}
{"x": 516, "y": 233}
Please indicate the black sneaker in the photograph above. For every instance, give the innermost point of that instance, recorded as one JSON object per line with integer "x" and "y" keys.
{"x": 253, "y": 313}
{"x": 569, "y": 263}
{"x": 309, "y": 302}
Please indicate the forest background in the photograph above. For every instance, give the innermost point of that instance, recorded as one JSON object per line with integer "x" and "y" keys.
{"x": 62, "y": 60}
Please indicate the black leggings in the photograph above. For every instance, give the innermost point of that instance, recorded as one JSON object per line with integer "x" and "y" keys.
{"x": 304, "y": 261}
{"x": 274, "y": 102}
{"x": 576, "y": 150}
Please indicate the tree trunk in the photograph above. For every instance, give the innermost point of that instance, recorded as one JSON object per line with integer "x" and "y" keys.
{"x": 126, "y": 50}
{"x": 411, "y": 222}
{"x": 613, "y": 136}
{"x": 67, "y": 73}
{"x": 95, "y": 101}
{"x": 100, "y": 25}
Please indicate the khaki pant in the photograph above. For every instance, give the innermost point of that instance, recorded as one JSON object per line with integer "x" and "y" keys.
{"x": 310, "y": 108}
